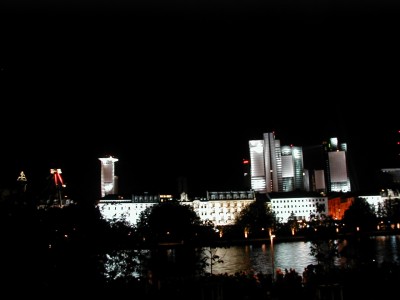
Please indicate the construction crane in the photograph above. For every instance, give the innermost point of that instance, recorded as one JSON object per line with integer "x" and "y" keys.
{"x": 58, "y": 184}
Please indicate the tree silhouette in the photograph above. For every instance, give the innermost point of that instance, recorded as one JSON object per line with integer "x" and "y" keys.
{"x": 360, "y": 216}
{"x": 46, "y": 250}
{"x": 256, "y": 218}
{"x": 211, "y": 258}
{"x": 325, "y": 251}
{"x": 178, "y": 226}
{"x": 170, "y": 222}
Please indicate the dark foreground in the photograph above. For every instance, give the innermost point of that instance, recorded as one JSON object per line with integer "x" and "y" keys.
{"x": 364, "y": 282}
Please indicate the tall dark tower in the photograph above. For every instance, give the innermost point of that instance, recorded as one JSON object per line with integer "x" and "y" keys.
{"x": 398, "y": 144}
{"x": 246, "y": 174}
{"x": 182, "y": 185}
{"x": 56, "y": 196}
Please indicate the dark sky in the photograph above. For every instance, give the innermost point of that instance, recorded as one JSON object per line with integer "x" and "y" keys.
{"x": 178, "y": 88}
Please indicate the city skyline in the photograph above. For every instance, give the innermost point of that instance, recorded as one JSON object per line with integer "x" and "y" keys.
{"x": 179, "y": 90}
{"x": 220, "y": 173}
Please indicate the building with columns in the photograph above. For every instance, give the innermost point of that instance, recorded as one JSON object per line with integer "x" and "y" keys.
{"x": 219, "y": 207}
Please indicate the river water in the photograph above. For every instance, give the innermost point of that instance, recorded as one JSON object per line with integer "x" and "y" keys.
{"x": 267, "y": 257}
{"x": 296, "y": 255}
{"x": 258, "y": 258}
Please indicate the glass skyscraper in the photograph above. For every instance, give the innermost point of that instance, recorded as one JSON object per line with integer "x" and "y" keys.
{"x": 275, "y": 168}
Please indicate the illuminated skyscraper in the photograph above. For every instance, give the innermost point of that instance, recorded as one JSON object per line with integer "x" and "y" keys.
{"x": 319, "y": 181}
{"x": 108, "y": 179}
{"x": 292, "y": 168}
{"x": 257, "y": 167}
{"x": 337, "y": 174}
{"x": 274, "y": 168}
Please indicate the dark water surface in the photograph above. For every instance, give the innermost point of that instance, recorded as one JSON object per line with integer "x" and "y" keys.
{"x": 258, "y": 257}
{"x": 296, "y": 255}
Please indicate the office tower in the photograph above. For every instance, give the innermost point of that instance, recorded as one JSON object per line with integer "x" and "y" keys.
{"x": 108, "y": 179}
{"x": 274, "y": 168}
{"x": 336, "y": 166}
{"x": 306, "y": 180}
{"x": 257, "y": 167}
{"x": 319, "y": 184}
{"x": 292, "y": 168}
{"x": 273, "y": 163}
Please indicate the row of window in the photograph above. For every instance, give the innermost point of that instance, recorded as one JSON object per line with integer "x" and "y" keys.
{"x": 102, "y": 207}
{"x": 225, "y": 205}
{"x": 229, "y": 196}
{"x": 295, "y": 211}
{"x": 302, "y": 200}
{"x": 291, "y": 206}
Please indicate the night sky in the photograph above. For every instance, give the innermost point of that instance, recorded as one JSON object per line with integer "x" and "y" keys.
{"x": 178, "y": 88}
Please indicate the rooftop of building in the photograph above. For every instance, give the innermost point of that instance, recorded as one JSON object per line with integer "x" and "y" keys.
{"x": 294, "y": 194}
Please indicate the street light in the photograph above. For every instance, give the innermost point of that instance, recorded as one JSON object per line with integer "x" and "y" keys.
{"x": 272, "y": 256}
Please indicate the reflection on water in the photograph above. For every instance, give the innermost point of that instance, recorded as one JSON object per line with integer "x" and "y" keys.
{"x": 258, "y": 257}
{"x": 123, "y": 264}
{"x": 296, "y": 255}
{"x": 388, "y": 248}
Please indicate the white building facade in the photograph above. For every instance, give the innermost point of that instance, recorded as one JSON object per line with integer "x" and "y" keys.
{"x": 128, "y": 210}
{"x": 219, "y": 207}
{"x": 301, "y": 207}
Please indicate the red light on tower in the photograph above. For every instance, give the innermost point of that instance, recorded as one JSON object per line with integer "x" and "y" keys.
{"x": 398, "y": 142}
{"x": 57, "y": 176}
{"x": 246, "y": 172}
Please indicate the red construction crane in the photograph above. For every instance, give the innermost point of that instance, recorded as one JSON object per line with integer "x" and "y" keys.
{"x": 58, "y": 183}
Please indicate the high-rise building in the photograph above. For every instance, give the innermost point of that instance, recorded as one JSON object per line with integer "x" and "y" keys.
{"x": 109, "y": 182}
{"x": 306, "y": 180}
{"x": 292, "y": 168}
{"x": 337, "y": 174}
{"x": 319, "y": 183}
{"x": 182, "y": 185}
{"x": 393, "y": 176}
{"x": 257, "y": 166}
{"x": 246, "y": 174}
{"x": 275, "y": 168}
